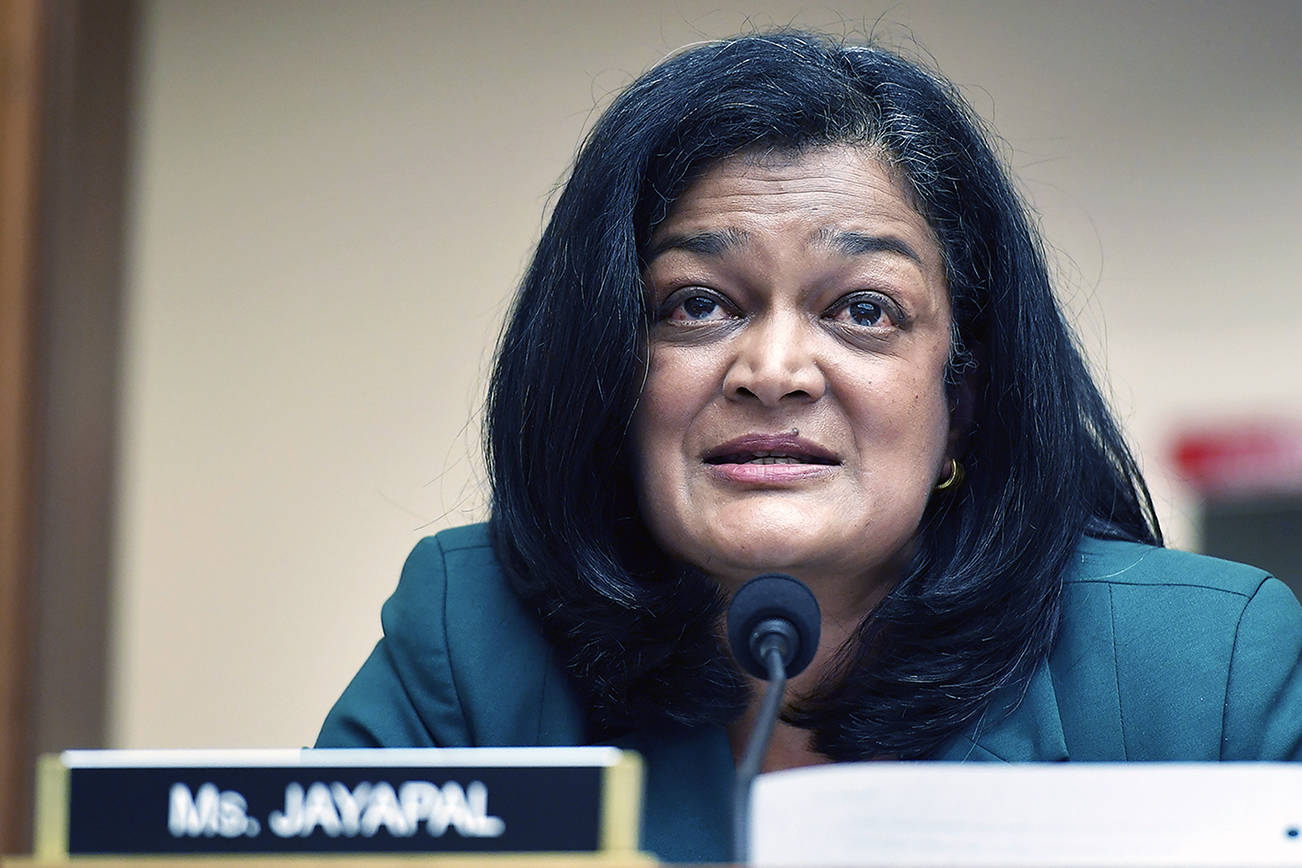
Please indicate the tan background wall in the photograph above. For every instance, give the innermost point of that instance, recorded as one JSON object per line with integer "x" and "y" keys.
{"x": 333, "y": 200}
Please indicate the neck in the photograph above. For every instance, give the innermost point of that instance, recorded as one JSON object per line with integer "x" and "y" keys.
{"x": 790, "y": 746}
{"x": 843, "y": 605}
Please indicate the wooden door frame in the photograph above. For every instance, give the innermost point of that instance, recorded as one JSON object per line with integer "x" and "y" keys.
{"x": 65, "y": 118}
{"x": 21, "y": 87}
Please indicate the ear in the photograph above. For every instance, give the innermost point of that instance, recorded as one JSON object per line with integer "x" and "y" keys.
{"x": 964, "y": 402}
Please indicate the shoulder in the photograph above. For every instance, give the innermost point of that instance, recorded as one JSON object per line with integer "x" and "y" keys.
{"x": 1164, "y": 654}
{"x": 454, "y": 568}
{"x": 1135, "y": 565}
{"x": 470, "y": 653}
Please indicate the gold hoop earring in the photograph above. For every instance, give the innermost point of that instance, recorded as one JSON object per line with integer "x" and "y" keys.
{"x": 955, "y": 478}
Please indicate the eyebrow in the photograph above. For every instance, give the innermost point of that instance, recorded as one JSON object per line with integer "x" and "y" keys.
{"x": 860, "y": 244}
{"x": 717, "y": 242}
{"x": 712, "y": 243}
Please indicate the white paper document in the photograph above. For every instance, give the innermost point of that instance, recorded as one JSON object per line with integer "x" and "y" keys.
{"x": 912, "y": 814}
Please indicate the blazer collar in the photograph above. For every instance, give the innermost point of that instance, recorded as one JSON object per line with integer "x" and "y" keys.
{"x": 1030, "y": 732}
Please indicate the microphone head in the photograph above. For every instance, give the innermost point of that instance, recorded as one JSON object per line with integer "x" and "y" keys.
{"x": 774, "y": 595}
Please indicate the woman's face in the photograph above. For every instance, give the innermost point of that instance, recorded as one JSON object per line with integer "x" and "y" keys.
{"x": 794, "y": 416}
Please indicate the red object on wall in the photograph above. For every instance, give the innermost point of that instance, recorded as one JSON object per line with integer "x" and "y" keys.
{"x": 1246, "y": 458}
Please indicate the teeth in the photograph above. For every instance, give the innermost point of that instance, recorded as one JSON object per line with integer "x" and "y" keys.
{"x": 767, "y": 458}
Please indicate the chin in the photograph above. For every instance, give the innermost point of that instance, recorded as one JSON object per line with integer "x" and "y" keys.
{"x": 765, "y": 551}
{"x": 741, "y": 541}
{"x": 810, "y": 547}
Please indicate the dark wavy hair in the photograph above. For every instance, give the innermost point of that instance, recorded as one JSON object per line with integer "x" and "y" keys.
{"x": 978, "y": 606}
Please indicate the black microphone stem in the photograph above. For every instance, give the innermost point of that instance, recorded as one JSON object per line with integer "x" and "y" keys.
{"x": 756, "y": 748}
{"x": 773, "y": 628}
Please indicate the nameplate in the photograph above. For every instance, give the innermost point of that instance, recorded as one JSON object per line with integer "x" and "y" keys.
{"x": 456, "y": 800}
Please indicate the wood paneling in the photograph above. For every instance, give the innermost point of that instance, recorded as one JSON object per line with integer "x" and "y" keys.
{"x": 63, "y": 142}
{"x": 20, "y": 112}
{"x": 80, "y": 284}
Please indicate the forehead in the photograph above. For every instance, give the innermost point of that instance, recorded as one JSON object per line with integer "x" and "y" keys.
{"x": 815, "y": 190}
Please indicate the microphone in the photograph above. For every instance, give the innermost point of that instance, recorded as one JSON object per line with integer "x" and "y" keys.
{"x": 773, "y": 629}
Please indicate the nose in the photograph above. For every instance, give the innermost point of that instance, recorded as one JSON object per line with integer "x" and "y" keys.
{"x": 775, "y": 361}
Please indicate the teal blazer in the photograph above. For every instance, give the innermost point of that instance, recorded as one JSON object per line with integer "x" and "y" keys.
{"x": 1161, "y": 656}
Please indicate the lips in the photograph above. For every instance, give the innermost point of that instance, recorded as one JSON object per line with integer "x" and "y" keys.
{"x": 767, "y": 449}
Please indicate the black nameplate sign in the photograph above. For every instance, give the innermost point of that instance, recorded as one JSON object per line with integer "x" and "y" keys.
{"x": 489, "y": 800}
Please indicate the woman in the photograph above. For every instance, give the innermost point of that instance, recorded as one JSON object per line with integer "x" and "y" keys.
{"x": 789, "y": 314}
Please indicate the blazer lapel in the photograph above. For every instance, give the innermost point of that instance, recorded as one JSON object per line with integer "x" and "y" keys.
{"x": 1030, "y": 732}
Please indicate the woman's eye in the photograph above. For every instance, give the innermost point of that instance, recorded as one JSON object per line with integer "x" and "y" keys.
{"x": 865, "y": 312}
{"x": 697, "y": 308}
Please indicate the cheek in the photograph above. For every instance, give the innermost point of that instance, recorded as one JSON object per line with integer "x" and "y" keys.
{"x": 653, "y": 476}
{"x": 678, "y": 385}
{"x": 643, "y": 451}
{"x": 653, "y": 438}
{"x": 930, "y": 419}
{"x": 675, "y": 392}
{"x": 930, "y": 411}
{"x": 904, "y": 426}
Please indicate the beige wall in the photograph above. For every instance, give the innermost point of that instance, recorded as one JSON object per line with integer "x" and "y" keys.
{"x": 334, "y": 199}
